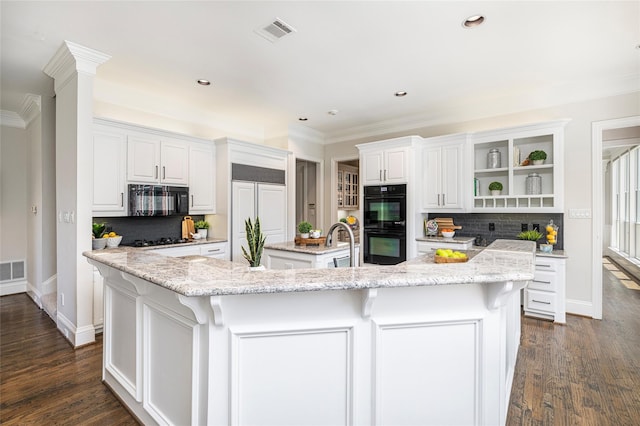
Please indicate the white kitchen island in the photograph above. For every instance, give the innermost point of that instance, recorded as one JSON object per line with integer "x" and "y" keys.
{"x": 204, "y": 341}
{"x": 288, "y": 255}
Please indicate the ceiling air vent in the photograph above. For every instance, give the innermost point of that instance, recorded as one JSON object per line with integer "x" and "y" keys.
{"x": 275, "y": 30}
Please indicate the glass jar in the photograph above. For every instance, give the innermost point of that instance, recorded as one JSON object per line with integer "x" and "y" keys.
{"x": 533, "y": 184}
{"x": 493, "y": 159}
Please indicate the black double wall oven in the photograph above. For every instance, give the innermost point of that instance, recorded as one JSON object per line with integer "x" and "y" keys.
{"x": 385, "y": 218}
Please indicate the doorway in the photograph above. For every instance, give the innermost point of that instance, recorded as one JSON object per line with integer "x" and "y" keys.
{"x": 307, "y": 190}
{"x": 601, "y": 135}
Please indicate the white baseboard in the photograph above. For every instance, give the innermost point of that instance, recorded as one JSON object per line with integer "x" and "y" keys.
{"x": 579, "y": 307}
{"x": 34, "y": 294}
{"x": 13, "y": 287}
{"x": 77, "y": 336}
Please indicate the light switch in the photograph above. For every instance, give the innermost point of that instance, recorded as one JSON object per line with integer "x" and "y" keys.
{"x": 580, "y": 213}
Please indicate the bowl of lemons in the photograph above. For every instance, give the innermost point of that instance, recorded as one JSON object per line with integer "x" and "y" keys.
{"x": 113, "y": 239}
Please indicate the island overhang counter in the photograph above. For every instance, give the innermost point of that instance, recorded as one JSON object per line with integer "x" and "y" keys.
{"x": 205, "y": 341}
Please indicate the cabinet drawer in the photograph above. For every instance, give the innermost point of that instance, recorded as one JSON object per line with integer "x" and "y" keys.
{"x": 540, "y": 301}
{"x": 546, "y": 264}
{"x": 544, "y": 280}
{"x": 213, "y": 250}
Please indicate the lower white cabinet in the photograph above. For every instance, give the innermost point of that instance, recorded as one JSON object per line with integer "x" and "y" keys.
{"x": 217, "y": 250}
{"x": 283, "y": 259}
{"x": 544, "y": 297}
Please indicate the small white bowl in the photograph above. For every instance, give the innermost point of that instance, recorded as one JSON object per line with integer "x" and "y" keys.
{"x": 98, "y": 243}
{"x": 114, "y": 241}
{"x": 546, "y": 248}
{"x": 314, "y": 233}
{"x": 450, "y": 234}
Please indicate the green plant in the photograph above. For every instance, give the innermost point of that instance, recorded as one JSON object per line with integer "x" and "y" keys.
{"x": 255, "y": 241}
{"x": 98, "y": 229}
{"x": 495, "y": 186}
{"x": 304, "y": 227}
{"x": 201, "y": 224}
{"x": 530, "y": 235}
{"x": 537, "y": 155}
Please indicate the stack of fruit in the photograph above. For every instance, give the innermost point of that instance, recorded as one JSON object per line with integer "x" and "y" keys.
{"x": 552, "y": 233}
{"x": 450, "y": 256}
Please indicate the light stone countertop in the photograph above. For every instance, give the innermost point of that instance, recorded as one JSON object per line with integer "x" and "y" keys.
{"x": 309, "y": 249}
{"x": 503, "y": 260}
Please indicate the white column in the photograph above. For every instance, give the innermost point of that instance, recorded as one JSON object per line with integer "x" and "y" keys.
{"x": 73, "y": 68}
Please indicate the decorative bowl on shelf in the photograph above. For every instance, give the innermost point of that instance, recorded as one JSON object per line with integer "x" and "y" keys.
{"x": 546, "y": 248}
{"x": 114, "y": 241}
{"x": 448, "y": 234}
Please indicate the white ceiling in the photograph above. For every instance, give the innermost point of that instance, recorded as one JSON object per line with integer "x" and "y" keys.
{"x": 347, "y": 55}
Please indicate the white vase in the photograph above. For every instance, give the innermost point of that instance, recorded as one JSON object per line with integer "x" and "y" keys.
{"x": 538, "y": 162}
{"x": 256, "y": 268}
{"x": 202, "y": 233}
{"x": 304, "y": 235}
{"x": 495, "y": 192}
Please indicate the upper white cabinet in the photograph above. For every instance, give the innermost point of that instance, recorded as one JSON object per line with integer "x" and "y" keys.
{"x": 347, "y": 191}
{"x": 202, "y": 161}
{"x": 533, "y": 188}
{"x": 443, "y": 171}
{"x": 386, "y": 162}
{"x": 109, "y": 172}
{"x": 157, "y": 160}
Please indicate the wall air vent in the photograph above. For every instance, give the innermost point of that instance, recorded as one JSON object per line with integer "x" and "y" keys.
{"x": 275, "y": 30}
{"x": 11, "y": 271}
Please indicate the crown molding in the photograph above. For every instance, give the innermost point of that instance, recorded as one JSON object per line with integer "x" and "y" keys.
{"x": 12, "y": 119}
{"x": 31, "y": 107}
{"x": 302, "y": 133}
{"x": 72, "y": 58}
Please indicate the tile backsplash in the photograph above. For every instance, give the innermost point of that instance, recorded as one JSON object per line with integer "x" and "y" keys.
{"x": 507, "y": 225}
{"x": 145, "y": 228}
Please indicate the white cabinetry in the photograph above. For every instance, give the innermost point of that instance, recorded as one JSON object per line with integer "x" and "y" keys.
{"x": 348, "y": 184}
{"x": 426, "y": 247}
{"x": 548, "y": 137}
{"x": 157, "y": 160}
{"x": 109, "y": 172}
{"x": 544, "y": 297}
{"x": 443, "y": 171}
{"x": 202, "y": 161}
{"x": 286, "y": 259}
{"x": 386, "y": 162}
{"x": 216, "y": 250}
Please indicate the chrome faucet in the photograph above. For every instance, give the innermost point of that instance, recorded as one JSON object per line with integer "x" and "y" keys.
{"x": 352, "y": 246}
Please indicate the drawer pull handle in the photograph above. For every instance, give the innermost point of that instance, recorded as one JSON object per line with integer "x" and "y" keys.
{"x": 542, "y": 282}
{"x": 213, "y": 251}
{"x": 540, "y": 301}
{"x": 542, "y": 266}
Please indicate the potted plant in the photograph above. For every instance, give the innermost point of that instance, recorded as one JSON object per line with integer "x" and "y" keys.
{"x": 303, "y": 228}
{"x": 537, "y": 157}
{"x": 97, "y": 231}
{"x": 255, "y": 241}
{"x": 202, "y": 226}
{"x": 495, "y": 188}
{"x": 532, "y": 235}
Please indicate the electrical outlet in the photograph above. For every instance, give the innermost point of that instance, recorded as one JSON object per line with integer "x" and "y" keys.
{"x": 524, "y": 227}
{"x": 492, "y": 226}
{"x": 536, "y": 227}
{"x": 62, "y": 299}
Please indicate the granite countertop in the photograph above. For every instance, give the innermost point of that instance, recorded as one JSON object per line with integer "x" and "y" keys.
{"x": 317, "y": 250}
{"x": 197, "y": 276}
{"x": 461, "y": 240}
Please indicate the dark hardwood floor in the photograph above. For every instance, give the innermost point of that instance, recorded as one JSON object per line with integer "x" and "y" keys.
{"x": 43, "y": 380}
{"x": 584, "y": 373}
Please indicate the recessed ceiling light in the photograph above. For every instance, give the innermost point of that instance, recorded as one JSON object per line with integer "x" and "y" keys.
{"x": 203, "y": 82}
{"x": 473, "y": 21}
{"x": 400, "y": 94}
{"x": 302, "y": 118}
{"x": 332, "y": 112}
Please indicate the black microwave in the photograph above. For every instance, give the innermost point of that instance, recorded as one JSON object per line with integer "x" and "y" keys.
{"x": 158, "y": 200}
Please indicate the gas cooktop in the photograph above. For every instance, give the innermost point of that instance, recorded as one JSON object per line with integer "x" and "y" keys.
{"x": 159, "y": 242}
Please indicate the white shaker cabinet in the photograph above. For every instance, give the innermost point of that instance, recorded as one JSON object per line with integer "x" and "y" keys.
{"x": 202, "y": 161}
{"x": 544, "y": 297}
{"x": 109, "y": 172}
{"x": 156, "y": 160}
{"x": 443, "y": 173}
{"x": 388, "y": 166}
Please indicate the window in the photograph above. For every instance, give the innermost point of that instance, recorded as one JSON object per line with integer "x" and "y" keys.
{"x": 625, "y": 203}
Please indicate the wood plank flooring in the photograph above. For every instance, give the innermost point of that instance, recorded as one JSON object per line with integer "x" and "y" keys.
{"x": 584, "y": 373}
{"x": 43, "y": 380}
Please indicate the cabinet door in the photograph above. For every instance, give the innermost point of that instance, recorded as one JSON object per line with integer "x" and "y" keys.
{"x": 174, "y": 158}
{"x": 272, "y": 210}
{"x": 396, "y": 166}
{"x": 243, "y": 199}
{"x": 431, "y": 178}
{"x": 450, "y": 178}
{"x": 372, "y": 167}
{"x": 143, "y": 159}
{"x": 202, "y": 160}
{"x": 109, "y": 174}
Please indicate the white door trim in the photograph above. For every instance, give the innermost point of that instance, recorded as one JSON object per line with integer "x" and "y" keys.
{"x": 597, "y": 128}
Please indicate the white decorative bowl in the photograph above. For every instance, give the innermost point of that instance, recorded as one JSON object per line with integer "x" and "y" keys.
{"x": 546, "y": 248}
{"x": 98, "y": 243}
{"x": 114, "y": 241}
{"x": 314, "y": 233}
{"x": 448, "y": 234}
